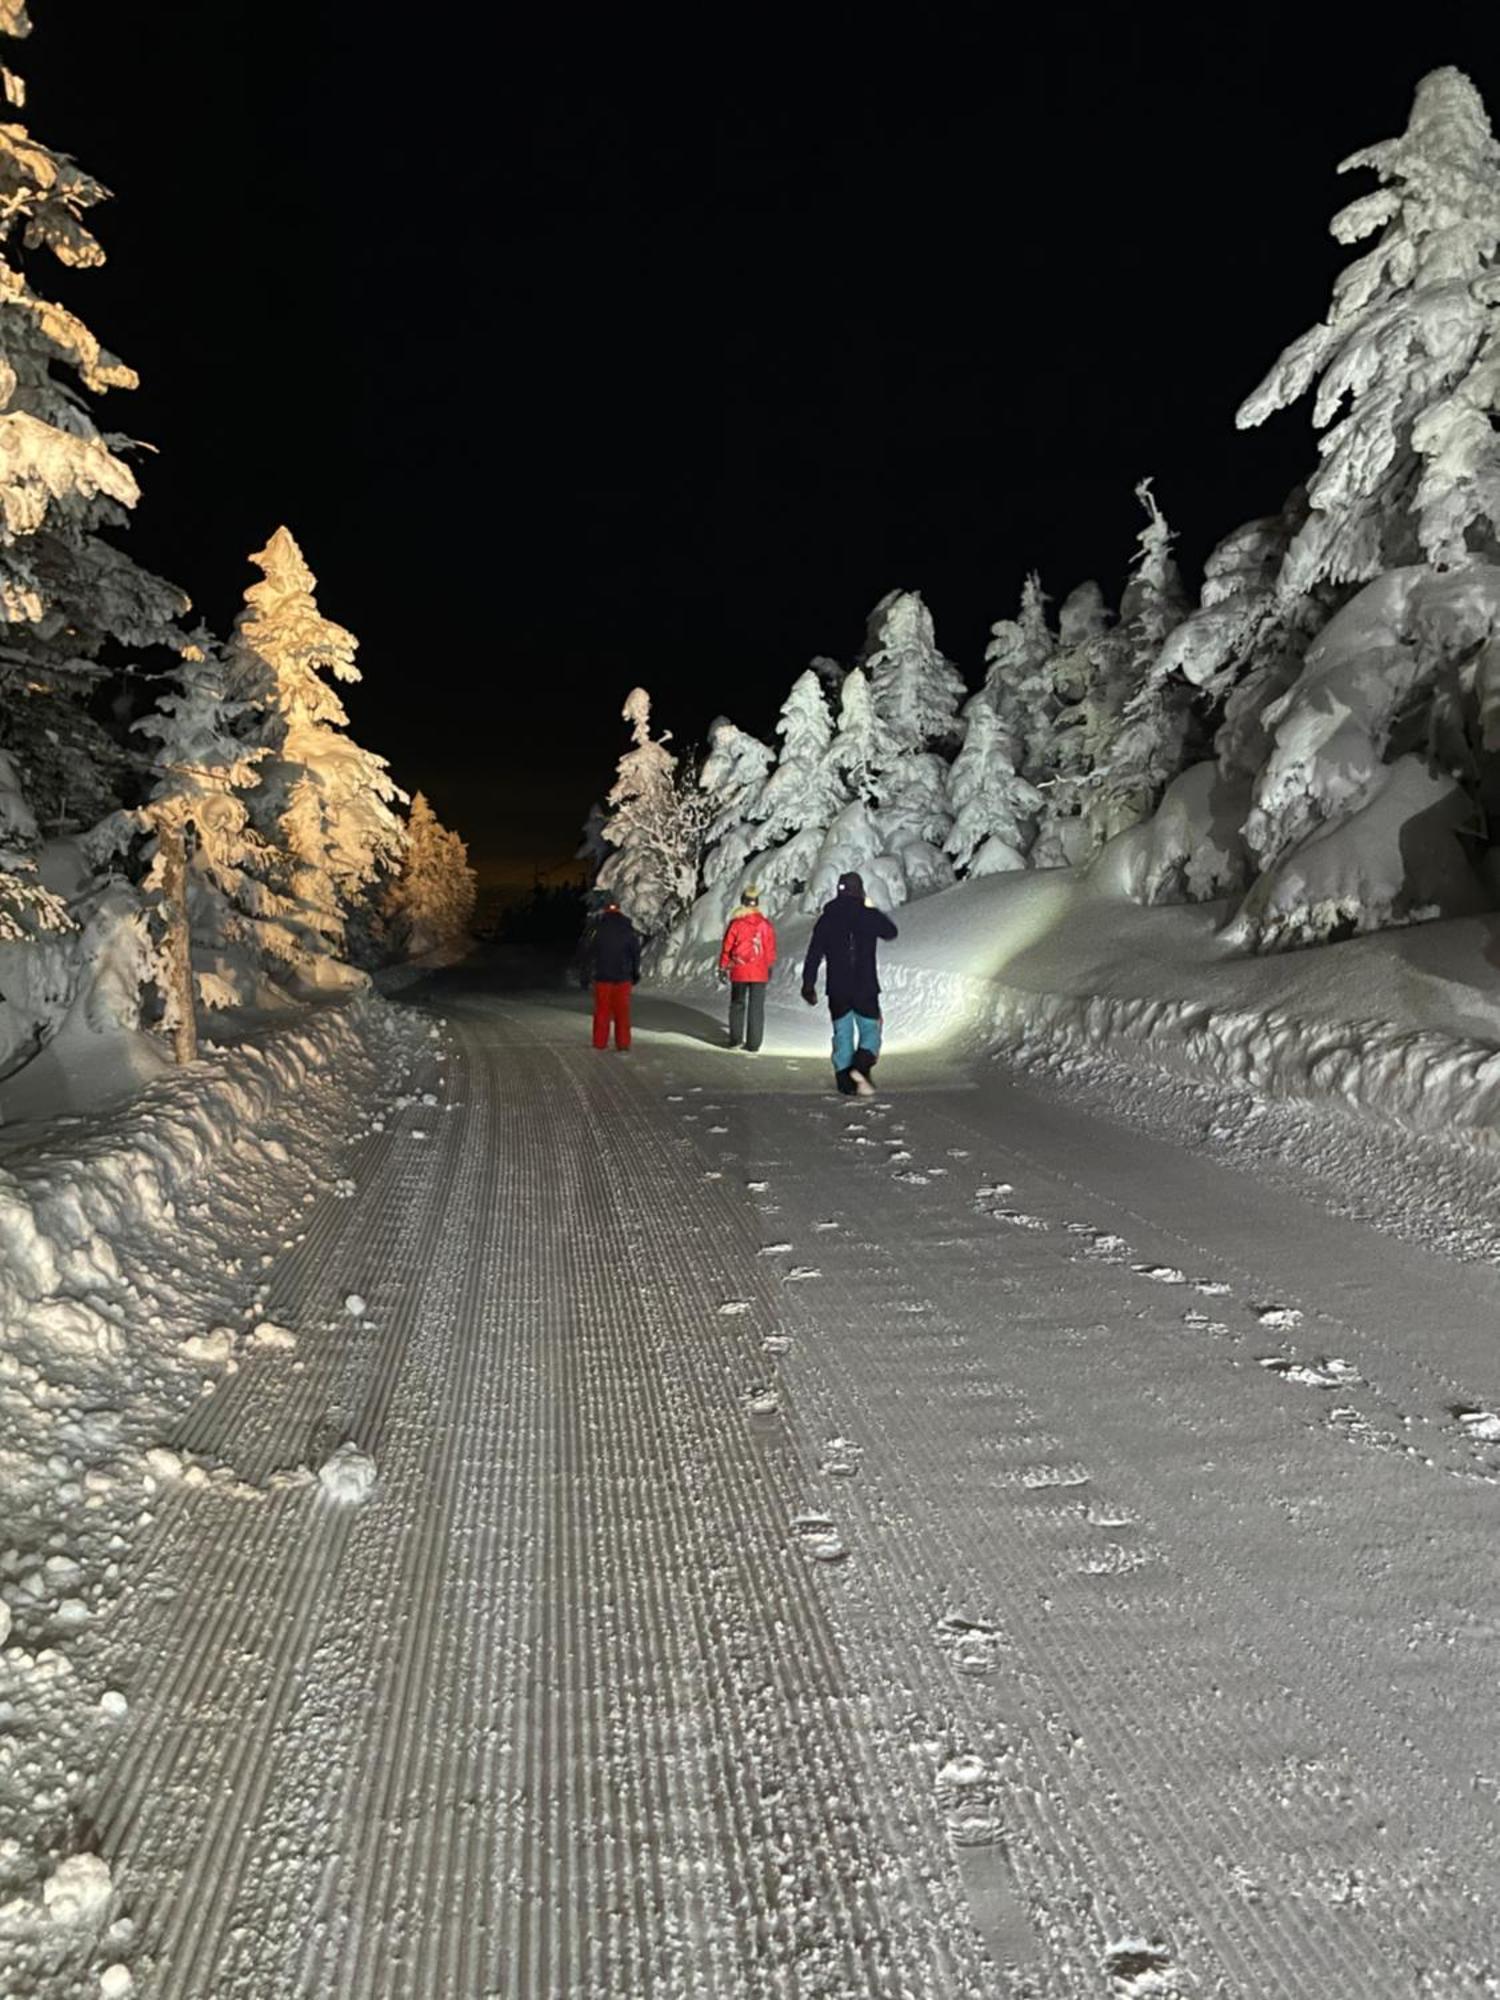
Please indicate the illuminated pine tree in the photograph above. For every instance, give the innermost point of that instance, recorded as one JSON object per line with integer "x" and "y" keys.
{"x": 323, "y": 804}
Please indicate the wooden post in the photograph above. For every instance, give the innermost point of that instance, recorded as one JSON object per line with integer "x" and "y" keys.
{"x": 178, "y": 945}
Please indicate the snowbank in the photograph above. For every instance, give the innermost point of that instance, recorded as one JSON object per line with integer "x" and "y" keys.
{"x": 133, "y": 1252}
{"x": 1403, "y": 1025}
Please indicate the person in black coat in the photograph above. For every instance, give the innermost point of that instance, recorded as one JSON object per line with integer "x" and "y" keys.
{"x": 615, "y": 967}
{"x": 844, "y": 940}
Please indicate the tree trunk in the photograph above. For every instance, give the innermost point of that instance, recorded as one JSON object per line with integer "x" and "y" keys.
{"x": 178, "y": 953}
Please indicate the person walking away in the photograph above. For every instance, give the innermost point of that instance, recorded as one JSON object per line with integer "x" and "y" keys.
{"x": 844, "y": 940}
{"x": 616, "y": 968}
{"x": 745, "y": 960}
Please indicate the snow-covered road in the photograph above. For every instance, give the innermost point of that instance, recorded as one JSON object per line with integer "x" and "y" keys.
{"x": 954, "y": 1545}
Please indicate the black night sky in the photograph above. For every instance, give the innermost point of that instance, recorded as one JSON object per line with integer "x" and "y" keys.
{"x": 589, "y": 354}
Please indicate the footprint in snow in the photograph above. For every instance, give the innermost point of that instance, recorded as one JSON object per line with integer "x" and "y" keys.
{"x": 800, "y": 1273}
{"x": 1015, "y": 1218}
{"x": 777, "y": 1343}
{"x": 718, "y": 1128}
{"x": 1211, "y": 1288}
{"x": 829, "y": 1224}
{"x": 972, "y": 1645}
{"x": 761, "y": 1400}
{"x": 842, "y": 1458}
{"x": 817, "y": 1538}
{"x": 958, "y": 1152}
{"x": 1483, "y": 1426}
{"x": 966, "y": 1795}
{"x": 732, "y": 1307}
{"x": 1109, "y": 1249}
{"x": 993, "y": 1190}
{"x": 1141, "y": 1970}
{"x": 1331, "y": 1373}
{"x": 773, "y": 1249}
{"x": 1164, "y": 1274}
{"x": 710, "y": 1175}
{"x": 757, "y": 1187}
{"x": 1278, "y": 1315}
{"x": 911, "y": 1179}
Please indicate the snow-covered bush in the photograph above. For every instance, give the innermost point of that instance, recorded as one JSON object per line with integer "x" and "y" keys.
{"x": 1191, "y": 850}
{"x": 1395, "y": 857}
{"x": 323, "y": 806}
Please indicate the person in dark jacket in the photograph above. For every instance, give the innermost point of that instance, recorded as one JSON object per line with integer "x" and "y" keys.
{"x": 844, "y": 940}
{"x": 615, "y": 968}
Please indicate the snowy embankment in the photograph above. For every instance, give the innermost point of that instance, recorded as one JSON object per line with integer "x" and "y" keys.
{"x": 1403, "y": 1025}
{"x": 132, "y": 1249}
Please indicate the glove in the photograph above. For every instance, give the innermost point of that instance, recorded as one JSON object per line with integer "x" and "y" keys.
{"x": 810, "y": 995}
{"x": 723, "y": 976}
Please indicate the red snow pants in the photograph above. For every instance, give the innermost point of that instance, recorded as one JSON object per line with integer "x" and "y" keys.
{"x": 611, "y": 1003}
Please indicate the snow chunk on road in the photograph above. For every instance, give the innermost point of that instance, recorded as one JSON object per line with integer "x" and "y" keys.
{"x": 78, "y": 1890}
{"x": 1279, "y": 1315}
{"x": 355, "y": 1306}
{"x": 268, "y": 1335}
{"x": 349, "y": 1475}
{"x": 209, "y": 1350}
{"x": 115, "y": 1981}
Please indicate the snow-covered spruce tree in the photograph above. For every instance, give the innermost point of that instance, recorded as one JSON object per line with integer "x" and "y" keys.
{"x": 65, "y": 592}
{"x": 994, "y": 808}
{"x": 430, "y": 903}
{"x": 1019, "y": 683}
{"x": 239, "y": 923}
{"x": 1084, "y": 673}
{"x": 593, "y": 848}
{"x": 1407, "y": 361}
{"x": 1143, "y": 734}
{"x": 323, "y": 806}
{"x": 916, "y": 691}
{"x": 1384, "y": 746}
{"x": 732, "y": 779}
{"x": 802, "y": 796}
{"x": 653, "y": 869}
{"x": 875, "y": 771}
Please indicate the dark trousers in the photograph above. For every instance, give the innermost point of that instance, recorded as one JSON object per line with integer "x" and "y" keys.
{"x": 747, "y": 1012}
{"x": 612, "y": 1004}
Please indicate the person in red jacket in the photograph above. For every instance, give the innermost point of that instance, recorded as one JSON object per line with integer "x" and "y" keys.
{"x": 745, "y": 960}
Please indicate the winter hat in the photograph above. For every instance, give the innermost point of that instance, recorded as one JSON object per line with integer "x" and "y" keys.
{"x": 749, "y": 894}
{"x": 851, "y": 884}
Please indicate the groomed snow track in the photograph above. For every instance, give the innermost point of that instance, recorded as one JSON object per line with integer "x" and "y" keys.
{"x": 817, "y": 1550}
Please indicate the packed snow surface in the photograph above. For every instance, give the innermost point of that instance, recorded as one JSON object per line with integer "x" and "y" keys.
{"x": 1028, "y": 1533}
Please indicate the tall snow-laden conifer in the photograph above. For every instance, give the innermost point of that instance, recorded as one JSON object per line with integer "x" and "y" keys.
{"x": 203, "y": 770}
{"x": 916, "y": 691}
{"x": 323, "y": 804}
{"x": 1019, "y": 683}
{"x": 65, "y": 592}
{"x": 1141, "y": 739}
{"x": 733, "y": 781}
{"x": 802, "y": 796}
{"x": 1408, "y": 360}
{"x": 430, "y": 903}
{"x": 651, "y": 872}
{"x": 994, "y": 809}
